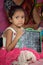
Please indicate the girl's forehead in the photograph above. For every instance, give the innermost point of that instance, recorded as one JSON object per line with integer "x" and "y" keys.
{"x": 19, "y": 12}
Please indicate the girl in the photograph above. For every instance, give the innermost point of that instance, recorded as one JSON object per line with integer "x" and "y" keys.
{"x": 15, "y": 30}
{"x": 13, "y": 33}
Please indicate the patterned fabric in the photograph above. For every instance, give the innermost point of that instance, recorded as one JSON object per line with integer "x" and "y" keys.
{"x": 31, "y": 39}
{"x": 8, "y": 4}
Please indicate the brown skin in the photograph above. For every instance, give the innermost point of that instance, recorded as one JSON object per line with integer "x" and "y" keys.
{"x": 18, "y": 2}
{"x": 36, "y": 18}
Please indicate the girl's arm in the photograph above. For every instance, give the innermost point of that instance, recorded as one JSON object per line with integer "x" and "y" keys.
{"x": 9, "y": 43}
{"x": 36, "y": 16}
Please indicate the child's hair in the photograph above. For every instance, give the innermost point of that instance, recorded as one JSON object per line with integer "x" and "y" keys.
{"x": 13, "y": 9}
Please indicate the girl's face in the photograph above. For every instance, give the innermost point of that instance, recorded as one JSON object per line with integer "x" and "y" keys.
{"x": 18, "y": 18}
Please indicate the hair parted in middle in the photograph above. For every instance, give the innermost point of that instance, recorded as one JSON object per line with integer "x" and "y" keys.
{"x": 13, "y": 9}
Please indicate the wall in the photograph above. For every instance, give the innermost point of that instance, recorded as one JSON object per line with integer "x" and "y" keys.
{"x": 3, "y": 18}
{"x": 39, "y": 1}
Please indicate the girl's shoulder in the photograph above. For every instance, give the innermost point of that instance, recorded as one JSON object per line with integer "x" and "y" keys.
{"x": 10, "y": 28}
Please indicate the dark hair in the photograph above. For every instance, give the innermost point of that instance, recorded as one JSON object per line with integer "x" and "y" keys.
{"x": 13, "y": 9}
{"x": 9, "y": 3}
{"x": 1, "y": 42}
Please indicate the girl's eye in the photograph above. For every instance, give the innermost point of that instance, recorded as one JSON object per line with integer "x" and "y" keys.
{"x": 17, "y": 17}
{"x": 22, "y": 17}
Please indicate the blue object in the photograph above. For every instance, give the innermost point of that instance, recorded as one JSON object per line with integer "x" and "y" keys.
{"x": 30, "y": 39}
{"x": 42, "y": 32}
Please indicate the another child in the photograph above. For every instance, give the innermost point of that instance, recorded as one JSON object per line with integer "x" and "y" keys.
{"x": 13, "y": 33}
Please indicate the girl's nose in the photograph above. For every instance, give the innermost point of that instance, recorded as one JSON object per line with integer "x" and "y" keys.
{"x": 20, "y": 20}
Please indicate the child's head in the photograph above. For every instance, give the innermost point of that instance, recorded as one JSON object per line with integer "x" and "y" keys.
{"x": 17, "y": 15}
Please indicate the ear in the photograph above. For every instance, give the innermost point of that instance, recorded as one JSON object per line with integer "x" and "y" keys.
{"x": 10, "y": 19}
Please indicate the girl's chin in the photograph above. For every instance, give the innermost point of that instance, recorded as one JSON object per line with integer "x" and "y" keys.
{"x": 18, "y": 26}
